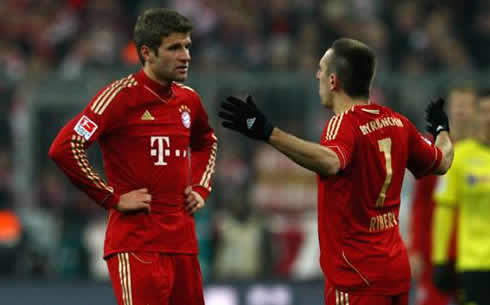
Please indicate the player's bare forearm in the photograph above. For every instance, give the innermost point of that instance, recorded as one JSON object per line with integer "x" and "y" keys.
{"x": 443, "y": 142}
{"x": 309, "y": 155}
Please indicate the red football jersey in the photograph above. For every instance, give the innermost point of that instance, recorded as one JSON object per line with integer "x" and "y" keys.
{"x": 145, "y": 131}
{"x": 360, "y": 244}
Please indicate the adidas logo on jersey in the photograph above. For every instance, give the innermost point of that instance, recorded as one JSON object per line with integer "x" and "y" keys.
{"x": 250, "y": 123}
{"x": 147, "y": 116}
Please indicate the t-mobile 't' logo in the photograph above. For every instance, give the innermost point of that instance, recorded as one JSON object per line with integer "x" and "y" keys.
{"x": 160, "y": 151}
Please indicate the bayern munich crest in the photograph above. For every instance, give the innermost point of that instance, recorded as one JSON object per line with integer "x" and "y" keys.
{"x": 185, "y": 115}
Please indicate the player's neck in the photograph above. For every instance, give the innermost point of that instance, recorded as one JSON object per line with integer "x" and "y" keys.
{"x": 344, "y": 103}
{"x": 149, "y": 73}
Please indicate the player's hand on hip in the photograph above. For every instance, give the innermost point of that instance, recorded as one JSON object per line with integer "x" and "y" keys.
{"x": 135, "y": 201}
{"x": 245, "y": 117}
{"x": 436, "y": 117}
{"x": 193, "y": 201}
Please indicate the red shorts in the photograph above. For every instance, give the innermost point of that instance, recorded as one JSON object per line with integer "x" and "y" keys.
{"x": 336, "y": 297}
{"x": 155, "y": 278}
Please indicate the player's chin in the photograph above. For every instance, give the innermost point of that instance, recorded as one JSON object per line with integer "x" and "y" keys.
{"x": 180, "y": 77}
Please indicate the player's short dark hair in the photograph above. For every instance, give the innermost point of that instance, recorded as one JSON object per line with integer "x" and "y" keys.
{"x": 155, "y": 24}
{"x": 354, "y": 63}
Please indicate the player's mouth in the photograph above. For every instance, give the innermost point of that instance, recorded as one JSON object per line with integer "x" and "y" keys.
{"x": 182, "y": 69}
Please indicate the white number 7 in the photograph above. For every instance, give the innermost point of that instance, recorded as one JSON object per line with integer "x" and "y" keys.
{"x": 385, "y": 147}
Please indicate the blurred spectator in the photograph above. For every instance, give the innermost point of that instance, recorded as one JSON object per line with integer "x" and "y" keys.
{"x": 240, "y": 239}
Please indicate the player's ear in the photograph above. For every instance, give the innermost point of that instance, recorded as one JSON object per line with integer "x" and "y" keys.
{"x": 333, "y": 81}
{"x": 146, "y": 53}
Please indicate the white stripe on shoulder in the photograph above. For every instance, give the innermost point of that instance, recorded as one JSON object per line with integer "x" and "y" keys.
{"x": 330, "y": 127}
{"x": 108, "y": 95}
{"x": 337, "y": 127}
{"x": 185, "y": 87}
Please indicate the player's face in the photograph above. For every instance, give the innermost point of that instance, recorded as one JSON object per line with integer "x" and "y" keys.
{"x": 325, "y": 92}
{"x": 461, "y": 108}
{"x": 173, "y": 58}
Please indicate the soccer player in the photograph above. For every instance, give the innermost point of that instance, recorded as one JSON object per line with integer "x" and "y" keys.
{"x": 466, "y": 187}
{"x": 360, "y": 162}
{"x": 461, "y": 112}
{"x": 159, "y": 155}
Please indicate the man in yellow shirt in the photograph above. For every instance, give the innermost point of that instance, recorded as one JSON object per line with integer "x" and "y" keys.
{"x": 466, "y": 186}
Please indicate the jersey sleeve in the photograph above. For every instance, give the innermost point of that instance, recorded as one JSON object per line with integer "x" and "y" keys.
{"x": 69, "y": 148}
{"x": 204, "y": 146}
{"x": 340, "y": 137}
{"x": 423, "y": 156}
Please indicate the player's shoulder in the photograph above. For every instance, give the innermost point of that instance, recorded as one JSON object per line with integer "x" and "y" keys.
{"x": 382, "y": 110}
{"x": 366, "y": 113}
{"x": 124, "y": 84}
{"x": 184, "y": 90}
{"x": 116, "y": 90}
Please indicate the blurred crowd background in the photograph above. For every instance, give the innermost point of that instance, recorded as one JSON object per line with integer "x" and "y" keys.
{"x": 56, "y": 54}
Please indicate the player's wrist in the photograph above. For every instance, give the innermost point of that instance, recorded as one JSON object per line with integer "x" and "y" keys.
{"x": 111, "y": 201}
{"x": 201, "y": 190}
{"x": 444, "y": 132}
{"x": 268, "y": 128}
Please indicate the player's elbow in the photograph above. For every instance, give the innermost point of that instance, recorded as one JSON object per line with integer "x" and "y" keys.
{"x": 443, "y": 168}
{"x": 330, "y": 167}
{"x": 444, "y": 144}
{"x": 55, "y": 152}
{"x": 445, "y": 165}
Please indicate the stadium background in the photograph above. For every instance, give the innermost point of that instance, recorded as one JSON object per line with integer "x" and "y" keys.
{"x": 258, "y": 232}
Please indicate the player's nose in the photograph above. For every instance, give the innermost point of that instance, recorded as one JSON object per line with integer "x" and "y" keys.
{"x": 185, "y": 56}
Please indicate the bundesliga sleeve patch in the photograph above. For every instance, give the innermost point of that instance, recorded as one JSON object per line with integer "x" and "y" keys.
{"x": 85, "y": 127}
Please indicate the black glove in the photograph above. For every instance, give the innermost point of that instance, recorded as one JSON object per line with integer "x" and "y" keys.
{"x": 436, "y": 118}
{"x": 444, "y": 277}
{"x": 245, "y": 118}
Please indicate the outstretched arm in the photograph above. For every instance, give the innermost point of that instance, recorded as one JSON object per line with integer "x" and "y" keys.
{"x": 438, "y": 126}
{"x": 443, "y": 142}
{"x": 312, "y": 156}
{"x": 247, "y": 119}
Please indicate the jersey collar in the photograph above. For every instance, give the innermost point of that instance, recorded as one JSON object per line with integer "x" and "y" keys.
{"x": 164, "y": 93}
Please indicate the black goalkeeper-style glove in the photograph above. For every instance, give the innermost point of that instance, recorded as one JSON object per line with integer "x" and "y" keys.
{"x": 245, "y": 118}
{"x": 436, "y": 117}
{"x": 444, "y": 278}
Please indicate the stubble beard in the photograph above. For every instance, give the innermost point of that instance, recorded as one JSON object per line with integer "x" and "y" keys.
{"x": 169, "y": 77}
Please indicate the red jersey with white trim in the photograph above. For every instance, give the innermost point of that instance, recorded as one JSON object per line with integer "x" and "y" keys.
{"x": 145, "y": 132}
{"x": 360, "y": 244}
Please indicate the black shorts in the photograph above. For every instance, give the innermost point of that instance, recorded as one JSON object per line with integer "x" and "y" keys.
{"x": 475, "y": 287}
